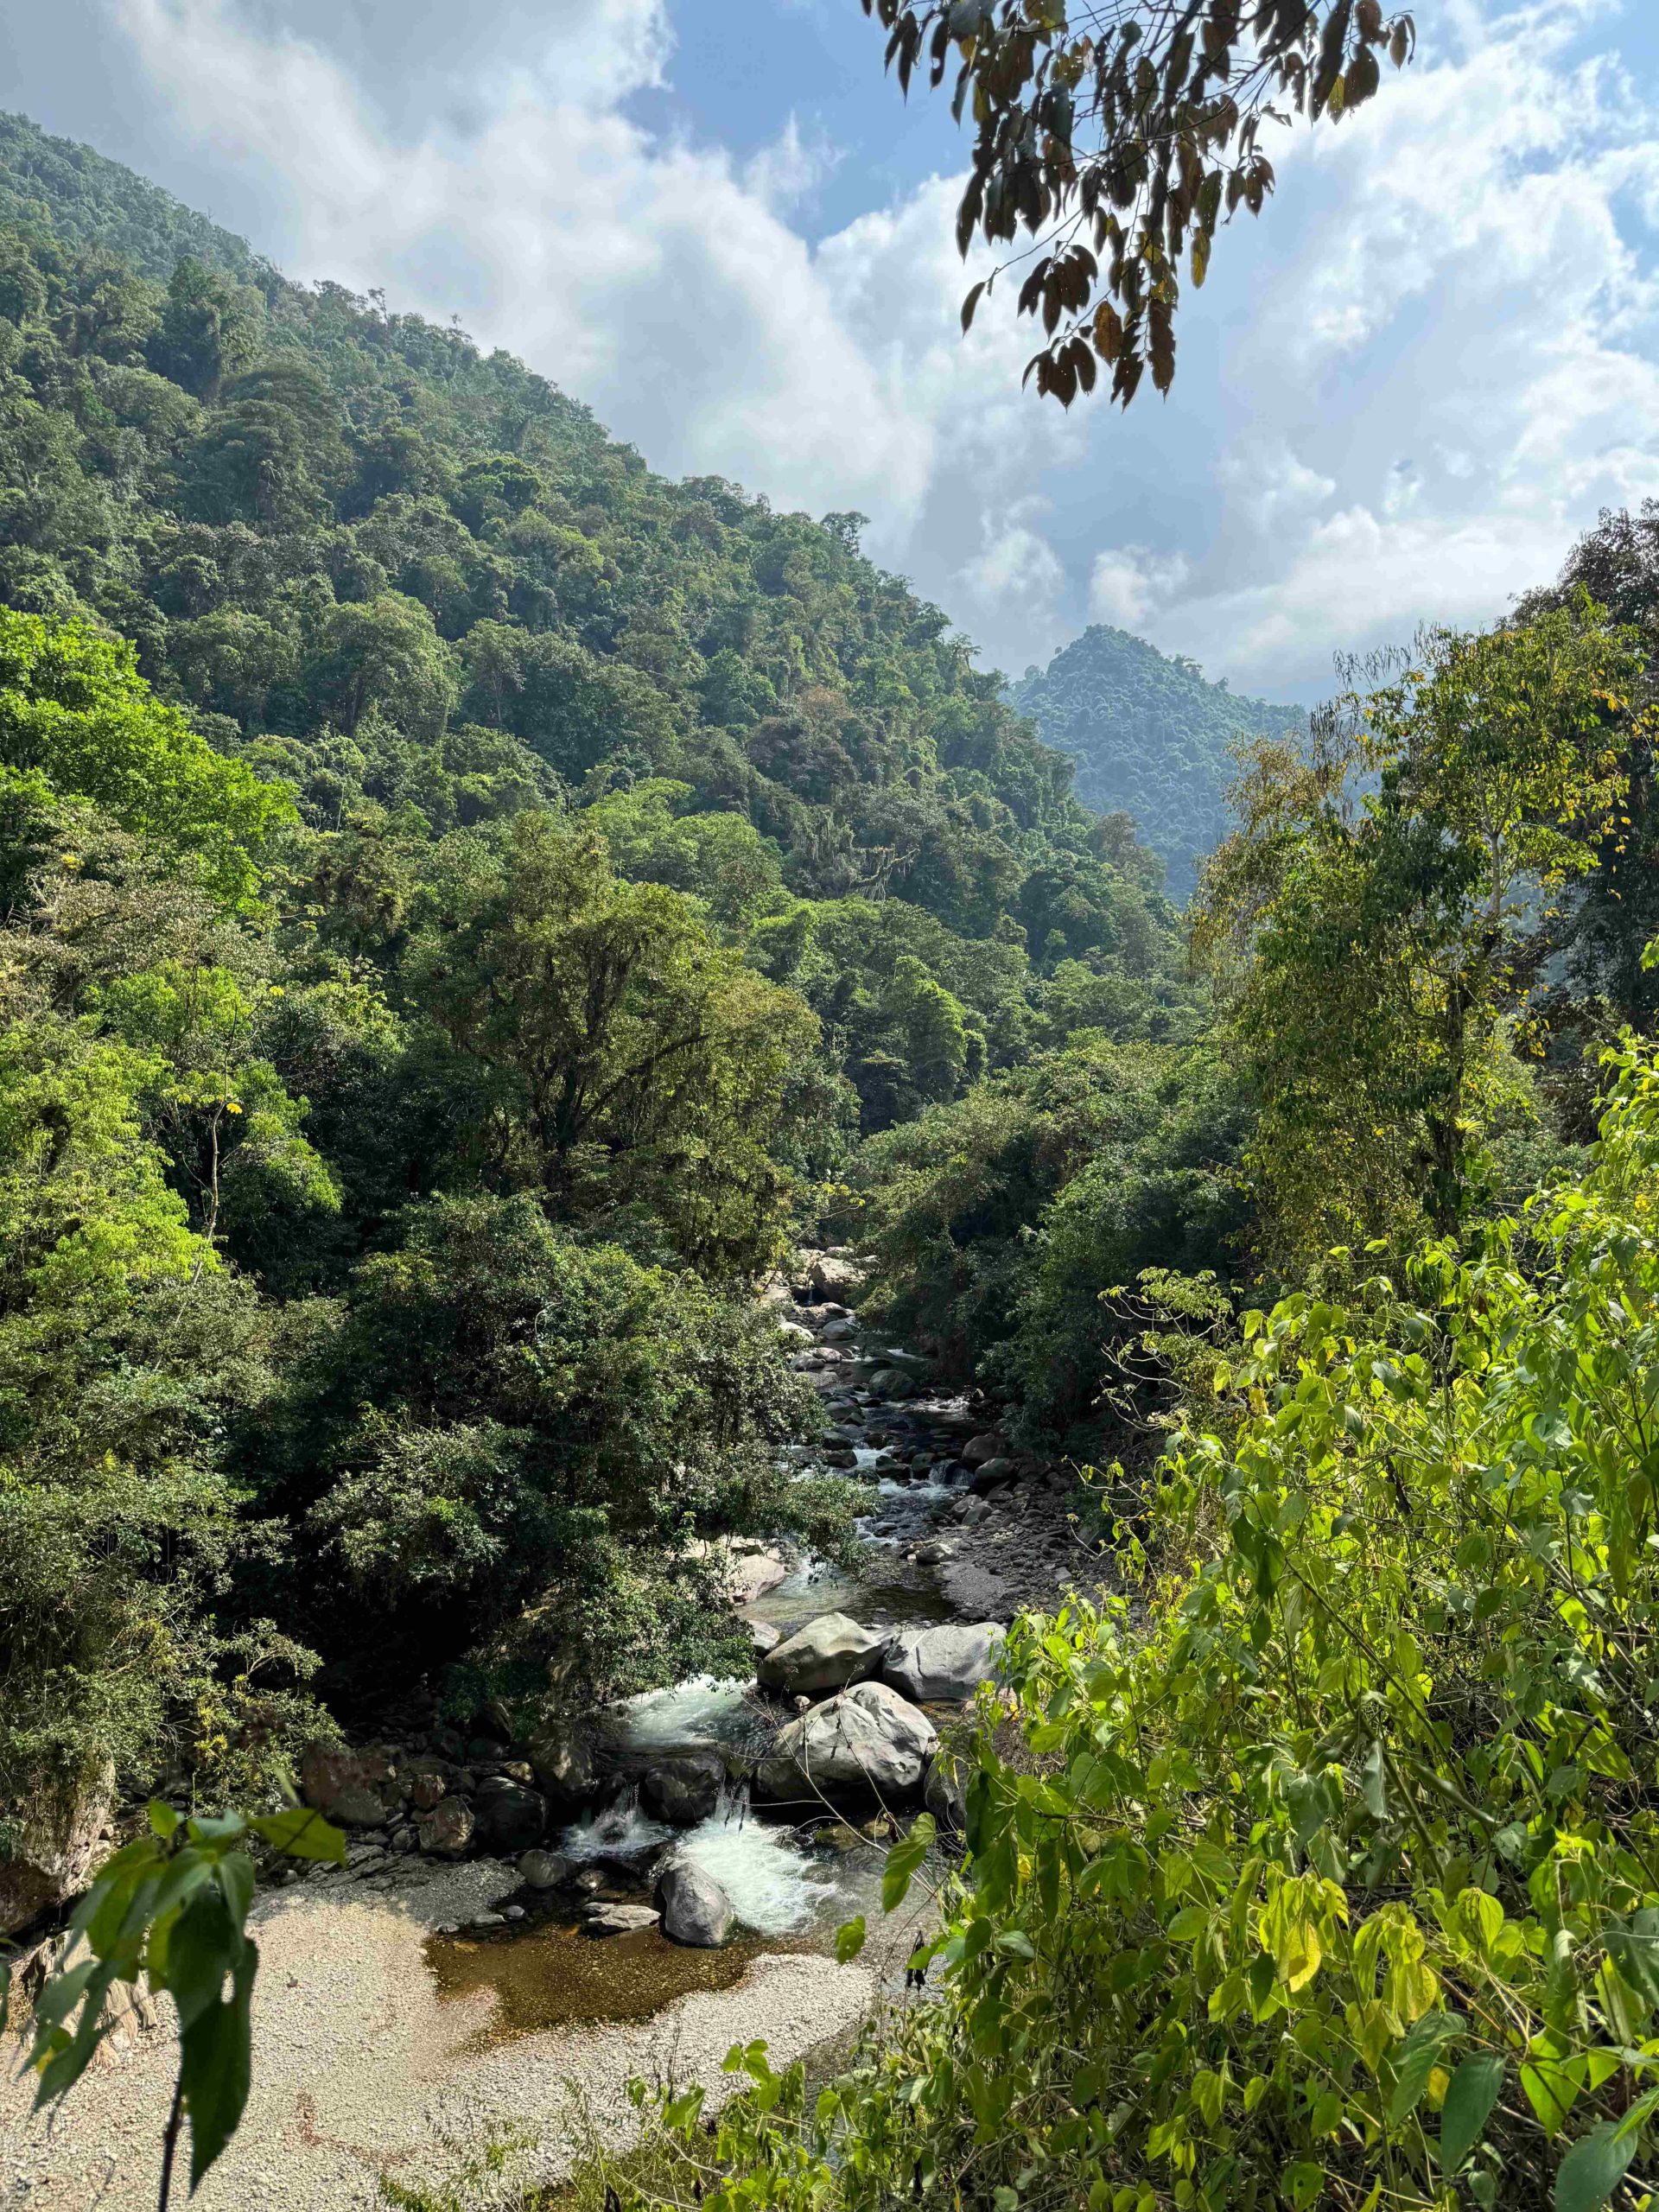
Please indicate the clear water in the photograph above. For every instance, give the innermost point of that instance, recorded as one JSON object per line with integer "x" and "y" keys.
{"x": 704, "y": 1709}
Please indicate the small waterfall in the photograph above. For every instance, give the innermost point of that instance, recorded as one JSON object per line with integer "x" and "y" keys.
{"x": 620, "y": 1830}
{"x": 775, "y": 1888}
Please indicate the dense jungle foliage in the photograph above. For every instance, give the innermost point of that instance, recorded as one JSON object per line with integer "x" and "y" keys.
{"x": 1151, "y": 739}
{"x": 464, "y": 897}
{"x": 468, "y": 902}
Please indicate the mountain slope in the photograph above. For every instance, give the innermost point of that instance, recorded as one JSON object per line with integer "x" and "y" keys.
{"x": 1151, "y": 737}
{"x": 414, "y": 578}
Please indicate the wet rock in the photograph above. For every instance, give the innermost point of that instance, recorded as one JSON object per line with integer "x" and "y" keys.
{"x": 512, "y": 1912}
{"x": 449, "y": 1745}
{"x": 588, "y": 1881}
{"x": 685, "y": 1790}
{"x": 867, "y": 1738}
{"x": 544, "y": 1870}
{"x": 978, "y": 1449}
{"x": 827, "y": 1653}
{"x": 446, "y": 1831}
{"x": 695, "y": 1909}
{"x": 840, "y": 1331}
{"x": 620, "y": 1919}
{"x": 510, "y": 1817}
{"x": 932, "y": 1665}
{"x": 844, "y": 1456}
{"x": 348, "y": 1787}
{"x": 564, "y": 1763}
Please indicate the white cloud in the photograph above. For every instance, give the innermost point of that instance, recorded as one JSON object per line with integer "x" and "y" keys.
{"x": 1417, "y": 377}
{"x": 1127, "y": 584}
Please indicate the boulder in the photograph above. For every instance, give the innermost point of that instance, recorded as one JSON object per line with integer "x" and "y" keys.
{"x": 893, "y": 1383}
{"x": 978, "y": 1449}
{"x": 428, "y": 1780}
{"x": 695, "y": 1909}
{"x": 842, "y": 1331}
{"x": 52, "y": 1848}
{"x": 942, "y": 1794}
{"x": 992, "y": 1473}
{"x": 828, "y": 1277}
{"x": 618, "y": 1919}
{"x": 763, "y": 1637}
{"x": 509, "y": 1816}
{"x": 947, "y": 1663}
{"x": 354, "y": 1788}
{"x": 564, "y": 1763}
{"x": 544, "y": 1870}
{"x": 867, "y": 1738}
{"x": 685, "y": 1790}
{"x": 827, "y": 1653}
{"x": 446, "y": 1831}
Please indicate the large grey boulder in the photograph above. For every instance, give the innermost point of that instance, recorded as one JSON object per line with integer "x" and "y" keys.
{"x": 867, "y": 1738}
{"x": 563, "y": 1761}
{"x": 993, "y": 1473}
{"x": 509, "y": 1816}
{"x": 695, "y": 1909}
{"x": 829, "y": 1652}
{"x": 684, "y": 1789}
{"x": 978, "y": 1449}
{"x": 544, "y": 1870}
{"x": 947, "y": 1664}
{"x": 829, "y": 1275}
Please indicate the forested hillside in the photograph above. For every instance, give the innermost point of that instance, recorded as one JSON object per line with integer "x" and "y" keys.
{"x": 1151, "y": 739}
{"x": 465, "y": 896}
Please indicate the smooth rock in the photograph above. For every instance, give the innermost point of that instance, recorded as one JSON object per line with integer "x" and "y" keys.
{"x": 764, "y": 1636}
{"x": 827, "y": 1276}
{"x": 684, "y": 1789}
{"x": 544, "y": 1870}
{"x": 446, "y": 1831}
{"x": 695, "y": 1909}
{"x": 893, "y": 1383}
{"x": 620, "y": 1919}
{"x": 511, "y": 1817}
{"x": 867, "y": 1738}
{"x": 978, "y": 1449}
{"x": 826, "y": 1653}
{"x": 948, "y": 1663}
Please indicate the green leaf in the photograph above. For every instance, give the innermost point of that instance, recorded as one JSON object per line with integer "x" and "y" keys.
{"x": 205, "y": 1946}
{"x": 849, "y": 1940}
{"x": 1414, "y": 2060}
{"x": 216, "y": 2067}
{"x": 1468, "y": 2104}
{"x": 162, "y": 1819}
{"x": 1633, "y": 1946}
{"x": 1595, "y": 2165}
{"x": 1016, "y": 1940}
{"x": 906, "y": 1856}
{"x": 301, "y": 1833}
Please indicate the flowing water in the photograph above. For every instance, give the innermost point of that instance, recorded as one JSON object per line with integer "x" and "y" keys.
{"x": 790, "y": 1887}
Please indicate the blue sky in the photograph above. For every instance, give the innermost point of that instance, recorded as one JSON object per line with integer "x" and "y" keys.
{"x": 1400, "y": 394}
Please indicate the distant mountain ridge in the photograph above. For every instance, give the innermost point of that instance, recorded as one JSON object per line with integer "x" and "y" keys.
{"x": 1152, "y": 738}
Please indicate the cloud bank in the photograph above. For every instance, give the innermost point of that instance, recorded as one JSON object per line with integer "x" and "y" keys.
{"x": 1400, "y": 394}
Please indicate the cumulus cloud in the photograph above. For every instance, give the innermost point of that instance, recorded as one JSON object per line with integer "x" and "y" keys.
{"x": 1400, "y": 394}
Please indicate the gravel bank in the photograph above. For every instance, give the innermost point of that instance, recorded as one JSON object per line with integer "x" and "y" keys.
{"x": 359, "y": 2070}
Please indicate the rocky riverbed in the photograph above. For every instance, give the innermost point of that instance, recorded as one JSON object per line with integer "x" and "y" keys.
{"x": 519, "y": 1917}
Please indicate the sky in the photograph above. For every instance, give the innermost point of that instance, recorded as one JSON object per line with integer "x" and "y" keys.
{"x": 1402, "y": 392}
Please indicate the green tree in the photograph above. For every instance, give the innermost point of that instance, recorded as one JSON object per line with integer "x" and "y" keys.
{"x": 1387, "y": 935}
{"x": 208, "y": 329}
{"x": 74, "y": 709}
{"x": 385, "y": 653}
{"x": 632, "y": 1062}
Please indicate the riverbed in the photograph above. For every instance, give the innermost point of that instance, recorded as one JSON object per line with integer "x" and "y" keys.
{"x": 384, "y": 2046}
